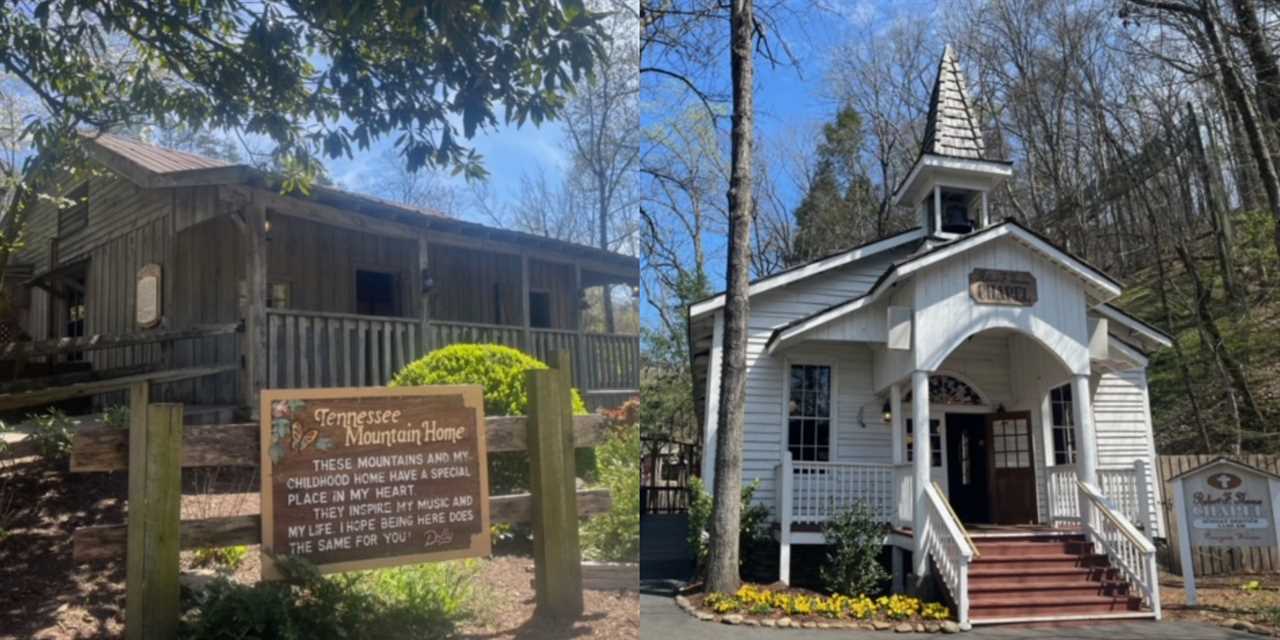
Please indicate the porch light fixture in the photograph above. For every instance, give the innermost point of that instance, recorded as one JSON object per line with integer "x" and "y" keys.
{"x": 887, "y": 412}
{"x": 428, "y": 283}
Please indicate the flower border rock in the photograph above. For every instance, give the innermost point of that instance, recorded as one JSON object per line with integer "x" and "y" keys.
{"x": 786, "y": 622}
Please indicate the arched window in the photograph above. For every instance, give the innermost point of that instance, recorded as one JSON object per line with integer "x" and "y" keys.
{"x": 949, "y": 390}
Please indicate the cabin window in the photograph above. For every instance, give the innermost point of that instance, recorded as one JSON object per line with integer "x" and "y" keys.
{"x": 1064, "y": 434}
{"x": 75, "y": 217}
{"x": 935, "y": 443}
{"x": 540, "y": 309}
{"x": 809, "y": 413}
{"x": 376, "y": 293}
{"x": 278, "y": 295}
{"x": 74, "y": 327}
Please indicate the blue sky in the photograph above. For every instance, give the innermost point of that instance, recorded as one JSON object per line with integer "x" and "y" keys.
{"x": 509, "y": 153}
{"x": 791, "y": 97}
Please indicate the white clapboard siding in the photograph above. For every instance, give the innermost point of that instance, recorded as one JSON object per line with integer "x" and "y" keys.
{"x": 762, "y": 433}
{"x": 1122, "y": 418}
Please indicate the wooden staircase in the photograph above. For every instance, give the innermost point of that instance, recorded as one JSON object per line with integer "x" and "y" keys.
{"x": 1043, "y": 577}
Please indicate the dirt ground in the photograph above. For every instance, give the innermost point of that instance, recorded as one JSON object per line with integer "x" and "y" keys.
{"x": 45, "y": 595}
{"x": 1221, "y": 598}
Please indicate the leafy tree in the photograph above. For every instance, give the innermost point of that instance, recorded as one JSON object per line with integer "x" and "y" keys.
{"x": 314, "y": 78}
{"x": 839, "y": 209}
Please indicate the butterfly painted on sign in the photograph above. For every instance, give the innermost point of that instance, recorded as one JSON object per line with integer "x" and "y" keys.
{"x": 289, "y": 434}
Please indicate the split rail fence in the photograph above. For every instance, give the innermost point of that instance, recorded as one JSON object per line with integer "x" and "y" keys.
{"x": 157, "y": 446}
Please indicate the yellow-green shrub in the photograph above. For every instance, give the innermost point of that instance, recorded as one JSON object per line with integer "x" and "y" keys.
{"x": 500, "y": 370}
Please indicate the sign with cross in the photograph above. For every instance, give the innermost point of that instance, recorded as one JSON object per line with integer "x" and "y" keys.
{"x": 1224, "y": 504}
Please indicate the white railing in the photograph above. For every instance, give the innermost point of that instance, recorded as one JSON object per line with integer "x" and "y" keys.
{"x": 950, "y": 547}
{"x": 821, "y": 490}
{"x": 1128, "y": 488}
{"x": 1126, "y": 548}
{"x": 904, "y": 479}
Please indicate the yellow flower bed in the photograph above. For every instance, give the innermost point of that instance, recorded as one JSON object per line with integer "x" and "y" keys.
{"x": 755, "y": 600}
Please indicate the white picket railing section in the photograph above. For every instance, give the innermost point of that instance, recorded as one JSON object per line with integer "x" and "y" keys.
{"x": 821, "y": 490}
{"x": 950, "y": 547}
{"x": 1126, "y": 548}
{"x": 905, "y": 480}
{"x": 1128, "y": 488}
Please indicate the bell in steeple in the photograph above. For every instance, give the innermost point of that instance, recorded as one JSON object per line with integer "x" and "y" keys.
{"x": 949, "y": 183}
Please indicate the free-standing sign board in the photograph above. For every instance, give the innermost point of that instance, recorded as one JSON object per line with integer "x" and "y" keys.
{"x": 373, "y": 477}
{"x": 1224, "y": 504}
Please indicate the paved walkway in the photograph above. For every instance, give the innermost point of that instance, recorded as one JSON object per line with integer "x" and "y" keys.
{"x": 661, "y": 619}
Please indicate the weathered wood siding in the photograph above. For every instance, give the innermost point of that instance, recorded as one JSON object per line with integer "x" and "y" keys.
{"x": 207, "y": 268}
{"x": 474, "y": 286}
{"x": 557, "y": 280}
{"x": 320, "y": 261}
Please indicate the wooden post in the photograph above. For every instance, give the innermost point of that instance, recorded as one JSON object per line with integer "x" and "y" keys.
{"x": 579, "y": 340}
{"x": 524, "y": 305}
{"x": 424, "y": 302}
{"x": 155, "y": 498}
{"x": 1145, "y": 495}
{"x": 557, "y": 558}
{"x": 787, "y": 476}
{"x": 254, "y": 349}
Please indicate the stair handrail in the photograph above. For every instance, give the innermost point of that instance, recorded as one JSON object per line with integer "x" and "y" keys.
{"x": 950, "y": 547}
{"x": 973, "y": 547}
{"x": 1129, "y": 551}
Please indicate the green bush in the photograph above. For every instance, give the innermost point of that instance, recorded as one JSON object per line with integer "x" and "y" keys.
{"x": 854, "y": 540}
{"x": 117, "y": 416}
{"x": 229, "y": 557}
{"x": 51, "y": 434}
{"x": 615, "y": 536}
{"x": 751, "y": 522}
{"x": 500, "y": 370}
{"x": 408, "y": 602}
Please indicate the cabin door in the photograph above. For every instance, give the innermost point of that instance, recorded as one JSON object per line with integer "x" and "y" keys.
{"x": 1009, "y": 465}
{"x": 967, "y": 477}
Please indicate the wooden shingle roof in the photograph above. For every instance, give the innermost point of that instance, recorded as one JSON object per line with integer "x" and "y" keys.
{"x": 952, "y": 128}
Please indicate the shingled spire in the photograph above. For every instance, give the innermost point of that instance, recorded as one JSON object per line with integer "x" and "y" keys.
{"x": 952, "y": 129}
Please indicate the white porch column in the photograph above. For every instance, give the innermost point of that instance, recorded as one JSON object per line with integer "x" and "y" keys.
{"x": 920, "y": 447}
{"x": 711, "y": 416}
{"x": 1086, "y": 442}
{"x": 895, "y": 423}
{"x": 1086, "y": 437}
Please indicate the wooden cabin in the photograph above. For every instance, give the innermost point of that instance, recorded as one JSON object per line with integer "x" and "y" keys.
{"x": 175, "y": 262}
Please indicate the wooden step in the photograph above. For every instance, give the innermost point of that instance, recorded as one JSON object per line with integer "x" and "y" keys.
{"x": 1041, "y": 561}
{"x": 998, "y": 573}
{"x": 982, "y": 606}
{"x": 1050, "y": 586}
{"x": 1072, "y": 547}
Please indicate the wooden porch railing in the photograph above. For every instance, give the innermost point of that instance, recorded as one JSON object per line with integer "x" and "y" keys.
{"x": 605, "y": 361}
{"x": 822, "y": 490}
{"x": 317, "y": 349}
{"x": 313, "y": 349}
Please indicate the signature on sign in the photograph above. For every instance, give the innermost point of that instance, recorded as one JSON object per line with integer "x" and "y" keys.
{"x": 434, "y": 537}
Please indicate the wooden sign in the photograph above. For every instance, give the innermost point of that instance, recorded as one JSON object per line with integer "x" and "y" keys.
{"x": 373, "y": 477}
{"x": 147, "y": 300}
{"x": 1224, "y": 504}
{"x": 997, "y": 286}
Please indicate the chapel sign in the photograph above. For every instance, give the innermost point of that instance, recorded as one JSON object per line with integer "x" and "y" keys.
{"x": 1008, "y": 288}
{"x": 373, "y": 477}
{"x": 1224, "y": 504}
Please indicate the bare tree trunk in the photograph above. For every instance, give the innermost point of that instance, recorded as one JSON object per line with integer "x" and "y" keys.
{"x": 1264, "y": 62}
{"x": 606, "y": 291}
{"x": 1258, "y": 141}
{"x": 722, "y": 569}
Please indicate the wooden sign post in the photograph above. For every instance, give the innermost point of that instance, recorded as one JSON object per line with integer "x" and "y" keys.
{"x": 373, "y": 477}
{"x": 1224, "y": 504}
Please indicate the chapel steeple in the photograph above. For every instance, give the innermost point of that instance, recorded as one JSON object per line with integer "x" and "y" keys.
{"x": 949, "y": 182}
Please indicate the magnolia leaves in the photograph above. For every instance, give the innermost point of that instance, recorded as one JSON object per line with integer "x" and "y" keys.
{"x": 288, "y": 434}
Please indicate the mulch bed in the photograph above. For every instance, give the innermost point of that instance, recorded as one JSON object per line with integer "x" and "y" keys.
{"x": 45, "y": 595}
{"x": 1221, "y": 601}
